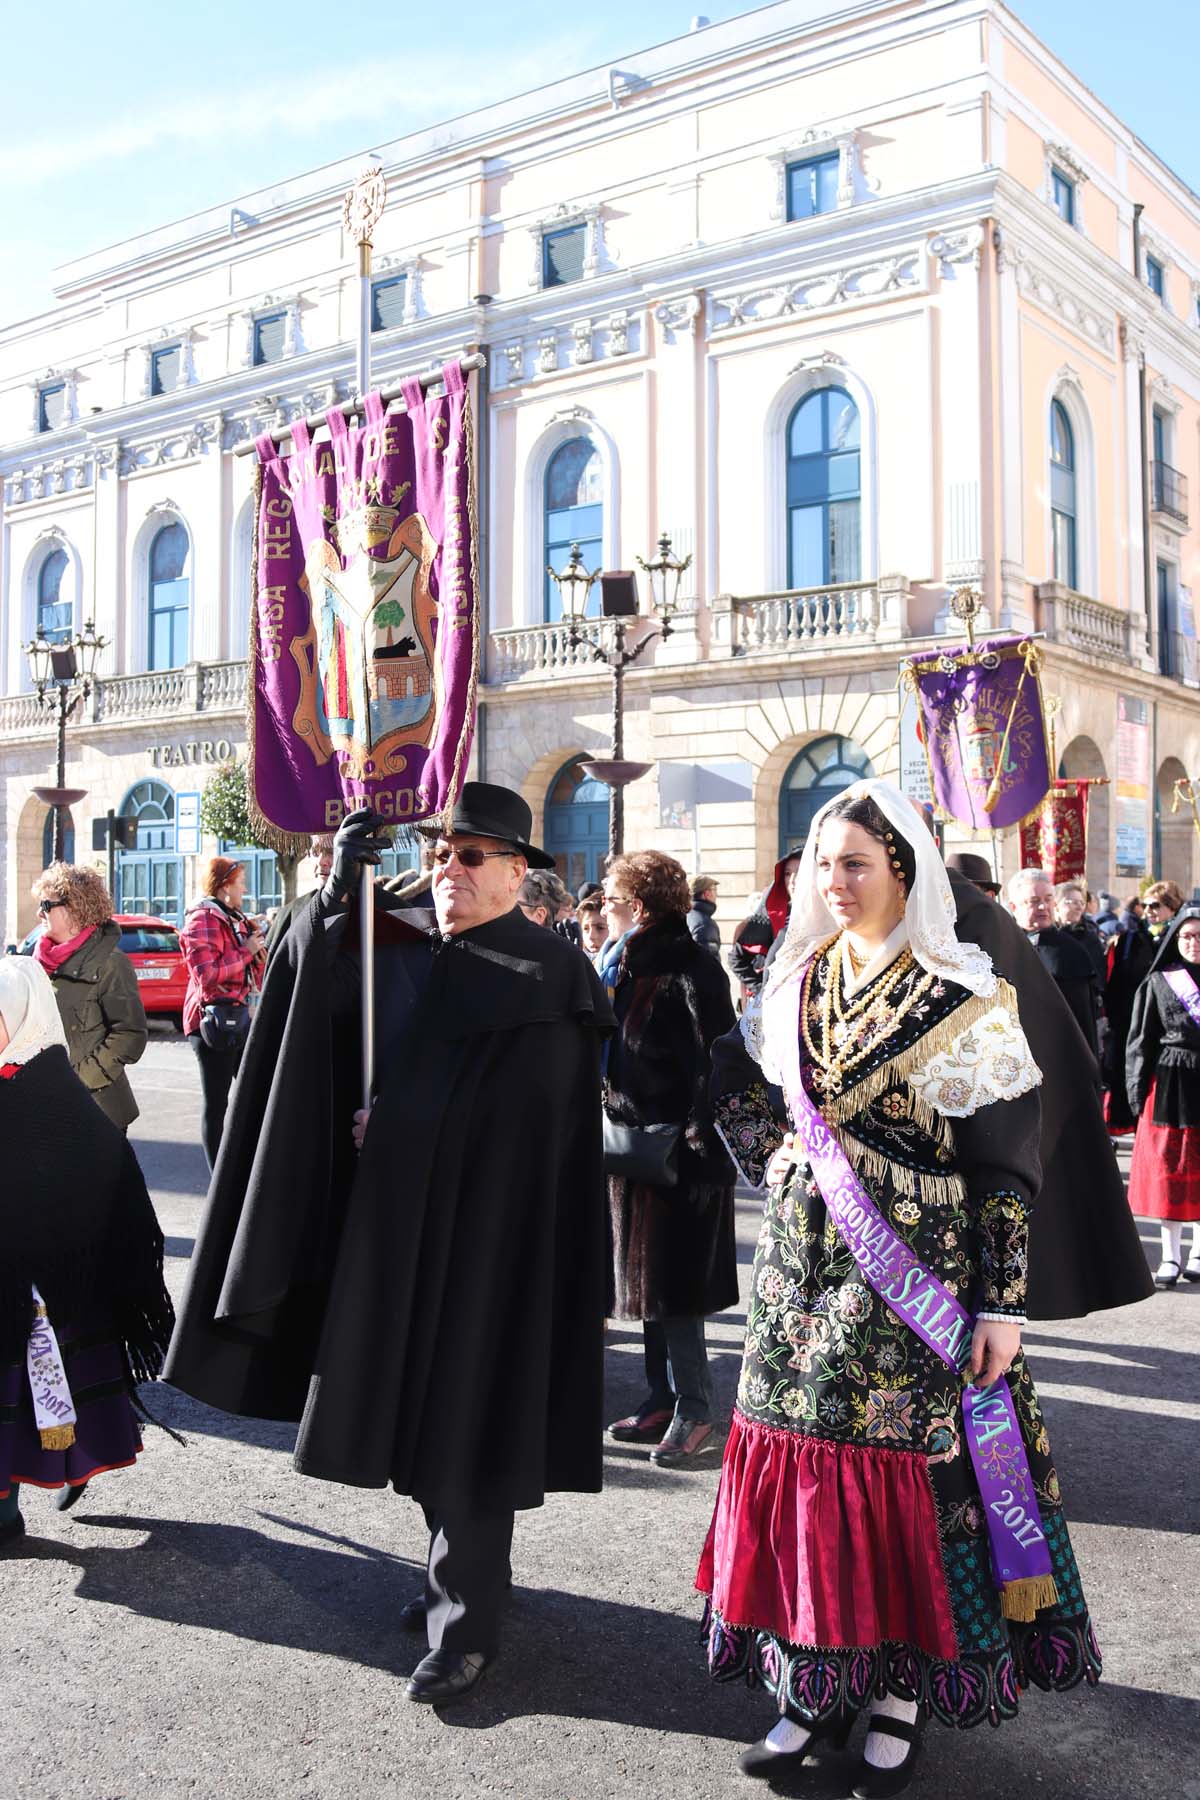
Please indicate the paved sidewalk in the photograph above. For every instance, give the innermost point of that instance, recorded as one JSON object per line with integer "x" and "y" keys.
{"x": 212, "y": 1624}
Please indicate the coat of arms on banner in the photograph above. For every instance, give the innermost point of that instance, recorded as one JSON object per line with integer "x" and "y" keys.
{"x": 981, "y": 721}
{"x": 369, "y": 677}
{"x": 365, "y": 649}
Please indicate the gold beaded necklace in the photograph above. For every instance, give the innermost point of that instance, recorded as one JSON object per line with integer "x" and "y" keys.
{"x": 863, "y": 1023}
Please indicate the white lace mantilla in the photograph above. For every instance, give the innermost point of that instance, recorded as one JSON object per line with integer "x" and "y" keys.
{"x": 989, "y": 1060}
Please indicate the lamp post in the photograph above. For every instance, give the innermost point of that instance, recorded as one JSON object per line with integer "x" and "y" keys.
{"x": 62, "y": 676}
{"x": 620, "y": 603}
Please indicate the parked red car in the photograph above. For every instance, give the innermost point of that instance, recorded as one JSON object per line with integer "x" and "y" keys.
{"x": 152, "y": 946}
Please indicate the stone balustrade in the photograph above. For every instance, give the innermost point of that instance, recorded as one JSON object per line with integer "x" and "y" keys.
{"x": 157, "y": 696}
{"x": 1082, "y": 623}
{"x": 540, "y": 651}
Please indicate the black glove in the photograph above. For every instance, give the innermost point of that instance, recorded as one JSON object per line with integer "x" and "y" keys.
{"x": 357, "y": 842}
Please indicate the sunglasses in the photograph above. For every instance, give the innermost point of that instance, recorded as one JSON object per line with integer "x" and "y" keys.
{"x": 45, "y": 906}
{"x": 471, "y": 856}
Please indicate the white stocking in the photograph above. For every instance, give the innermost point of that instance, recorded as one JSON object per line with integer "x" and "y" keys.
{"x": 1172, "y": 1243}
{"x": 882, "y": 1751}
{"x": 788, "y": 1736}
{"x": 1194, "y": 1258}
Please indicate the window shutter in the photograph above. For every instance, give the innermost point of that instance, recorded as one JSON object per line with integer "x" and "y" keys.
{"x": 52, "y": 407}
{"x": 269, "y": 334}
{"x": 562, "y": 256}
{"x": 166, "y": 366}
{"x": 387, "y": 303}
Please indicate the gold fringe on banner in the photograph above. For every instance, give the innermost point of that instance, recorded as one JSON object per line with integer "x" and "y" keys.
{"x": 1023, "y": 1600}
{"x": 57, "y": 1437}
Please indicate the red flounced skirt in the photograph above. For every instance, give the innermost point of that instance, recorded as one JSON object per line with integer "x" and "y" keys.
{"x": 823, "y": 1543}
{"x": 1164, "y": 1173}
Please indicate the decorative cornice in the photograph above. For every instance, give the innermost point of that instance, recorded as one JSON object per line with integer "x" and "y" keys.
{"x": 957, "y": 247}
{"x": 818, "y": 364}
{"x": 677, "y": 317}
{"x": 1056, "y": 297}
{"x": 574, "y": 344}
{"x": 822, "y": 291}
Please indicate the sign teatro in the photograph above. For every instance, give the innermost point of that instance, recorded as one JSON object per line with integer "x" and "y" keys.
{"x": 186, "y": 756}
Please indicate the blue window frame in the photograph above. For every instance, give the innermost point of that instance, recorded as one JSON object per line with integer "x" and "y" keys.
{"x": 1062, "y": 190}
{"x": 150, "y": 877}
{"x": 270, "y": 332}
{"x": 387, "y": 303}
{"x": 166, "y": 368}
{"x": 263, "y": 885}
{"x": 563, "y": 254}
{"x": 577, "y": 824}
{"x": 53, "y": 612}
{"x": 824, "y": 500}
{"x": 52, "y": 406}
{"x": 1170, "y": 659}
{"x": 170, "y": 599}
{"x": 1158, "y": 432}
{"x": 1155, "y": 276}
{"x": 812, "y": 186}
{"x": 821, "y": 770}
{"x": 1062, "y": 495}
{"x": 573, "y": 514}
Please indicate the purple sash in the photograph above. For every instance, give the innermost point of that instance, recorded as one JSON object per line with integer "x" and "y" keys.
{"x": 926, "y": 1306}
{"x": 1184, "y": 990}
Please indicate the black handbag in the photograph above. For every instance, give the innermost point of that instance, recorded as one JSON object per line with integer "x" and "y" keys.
{"x": 647, "y": 1154}
{"x": 225, "y": 1024}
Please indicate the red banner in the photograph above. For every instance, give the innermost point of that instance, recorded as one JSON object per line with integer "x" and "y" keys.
{"x": 1055, "y": 839}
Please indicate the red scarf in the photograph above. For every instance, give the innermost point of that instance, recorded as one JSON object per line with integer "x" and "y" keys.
{"x": 52, "y": 956}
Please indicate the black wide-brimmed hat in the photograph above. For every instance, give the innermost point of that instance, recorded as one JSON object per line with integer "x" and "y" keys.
{"x": 975, "y": 868}
{"x": 484, "y": 810}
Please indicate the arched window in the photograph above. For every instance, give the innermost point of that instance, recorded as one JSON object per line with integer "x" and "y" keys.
{"x": 824, "y": 490}
{"x": 577, "y": 824}
{"x": 53, "y": 612}
{"x": 150, "y": 877}
{"x": 821, "y": 770}
{"x": 574, "y": 514}
{"x": 170, "y": 596}
{"x": 1062, "y": 496}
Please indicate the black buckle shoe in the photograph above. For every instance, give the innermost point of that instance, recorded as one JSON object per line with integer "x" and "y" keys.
{"x": 444, "y": 1675}
{"x": 761, "y": 1761}
{"x": 872, "y": 1783}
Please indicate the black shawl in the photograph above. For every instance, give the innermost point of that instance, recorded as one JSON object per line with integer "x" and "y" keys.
{"x": 75, "y": 1219}
{"x": 434, "y": 1309}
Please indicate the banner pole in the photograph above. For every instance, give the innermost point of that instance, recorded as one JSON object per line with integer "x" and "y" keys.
{"x": 362, "y": 211}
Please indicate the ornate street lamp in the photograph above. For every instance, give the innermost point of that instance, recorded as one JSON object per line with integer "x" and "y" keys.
{"x": 63, "y": 674}
{"x": 620, "y": 603}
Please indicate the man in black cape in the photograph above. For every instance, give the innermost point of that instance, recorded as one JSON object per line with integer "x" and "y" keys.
{"x": 1084, "y": 1250}
{"x": 432, "y": 1311}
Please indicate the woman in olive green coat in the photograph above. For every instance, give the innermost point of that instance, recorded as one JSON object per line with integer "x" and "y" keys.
{"x": 94, "y": 984}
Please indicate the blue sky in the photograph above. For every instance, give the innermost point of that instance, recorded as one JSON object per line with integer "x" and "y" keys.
{"x": 117, "y": 118}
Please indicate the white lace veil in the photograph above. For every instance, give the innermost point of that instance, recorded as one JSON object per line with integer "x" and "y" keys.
{"x": 29, "y": 1010}
{"x": 928, "y": 916}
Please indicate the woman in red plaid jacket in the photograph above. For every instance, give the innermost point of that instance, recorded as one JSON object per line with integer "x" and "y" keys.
{"x": 223, "y": 950}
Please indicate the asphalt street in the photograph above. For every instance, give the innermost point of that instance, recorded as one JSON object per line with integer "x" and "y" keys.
{"x": 213, "y": 1624}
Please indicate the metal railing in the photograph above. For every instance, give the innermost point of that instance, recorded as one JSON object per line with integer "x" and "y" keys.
{"x": 767, "y": 623}
{"x": 1169, "y": 491}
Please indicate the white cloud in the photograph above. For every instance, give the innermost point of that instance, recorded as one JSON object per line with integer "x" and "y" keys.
{"x": 383, "y": 99}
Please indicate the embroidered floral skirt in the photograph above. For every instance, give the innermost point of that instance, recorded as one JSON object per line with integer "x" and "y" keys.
{"x": 848, "y": 1554}
{"x": 106, "y": 1431}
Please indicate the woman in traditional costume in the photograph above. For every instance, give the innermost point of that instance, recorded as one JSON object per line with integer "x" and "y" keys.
{"x": 1162, "y": 1064}
{"x": 84, "y": 1315}
{"x": 886, "y": 1537}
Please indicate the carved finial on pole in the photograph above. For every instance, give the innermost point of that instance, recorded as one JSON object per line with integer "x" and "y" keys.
{"x": 966, "y": 603}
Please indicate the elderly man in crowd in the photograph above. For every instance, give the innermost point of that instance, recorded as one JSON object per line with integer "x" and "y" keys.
{"x": 700, "y": 920}
{"x": 1031, "y": 900}
{"x": 433, "y": 1312}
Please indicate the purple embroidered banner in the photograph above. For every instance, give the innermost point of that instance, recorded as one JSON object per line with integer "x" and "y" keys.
{"x": 980, "y": 720}
{"x": 1184, "y": 990}
{"x": 365, "y": 646}
{"x": 927, "y": 1307}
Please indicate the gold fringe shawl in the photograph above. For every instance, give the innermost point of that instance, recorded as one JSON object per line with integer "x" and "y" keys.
{"x": 838, "y": 1109}
{"x": 935, "y": 1190}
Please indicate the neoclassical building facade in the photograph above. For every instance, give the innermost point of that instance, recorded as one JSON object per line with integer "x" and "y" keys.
{"x": 856, "y": 306}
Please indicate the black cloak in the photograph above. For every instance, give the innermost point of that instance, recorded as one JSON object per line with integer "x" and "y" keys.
{"x": 433, "y": 1314}
{"x": 1070, "y": 968}
{"x": 1163, "y": 1050}
{"x": 1084, "y": 1250}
